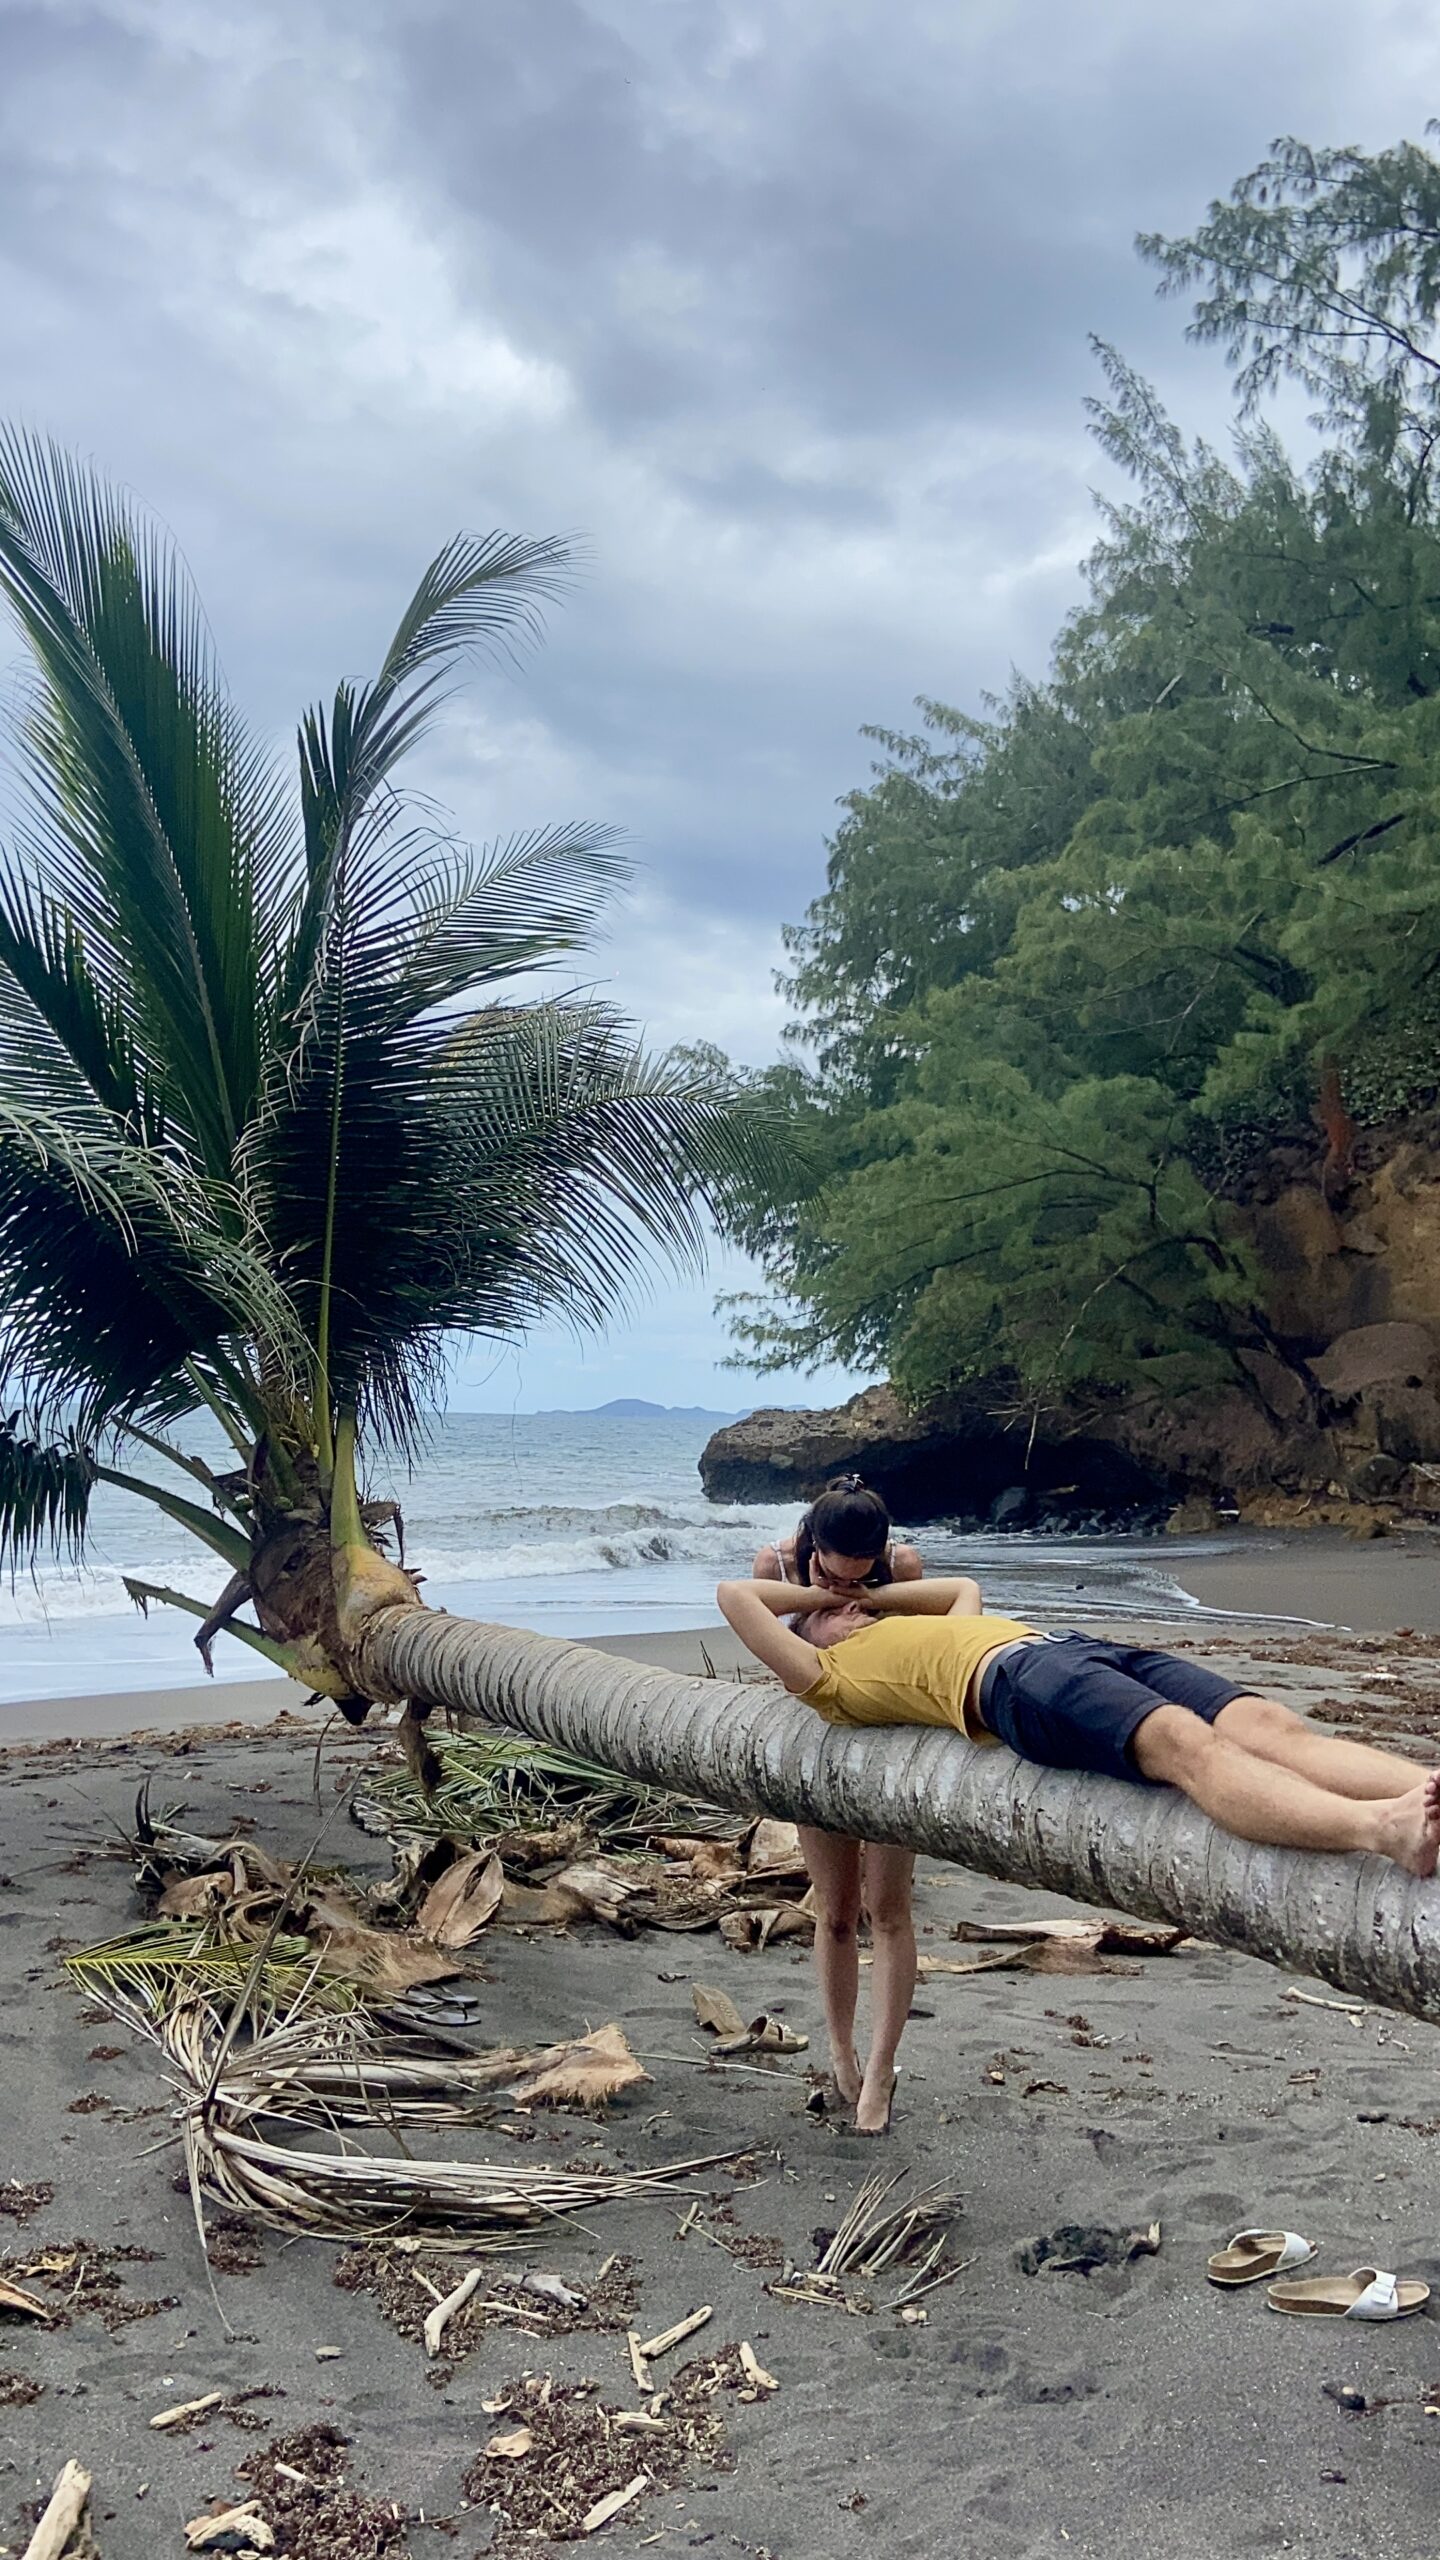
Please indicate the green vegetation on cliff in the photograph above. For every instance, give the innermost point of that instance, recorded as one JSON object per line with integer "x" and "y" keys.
{"x": 1077, "y": 961}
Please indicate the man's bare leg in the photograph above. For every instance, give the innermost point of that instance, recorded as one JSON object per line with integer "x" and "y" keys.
{"x": 1274, "y": 1732}
{"x": 1257, "y": 1800}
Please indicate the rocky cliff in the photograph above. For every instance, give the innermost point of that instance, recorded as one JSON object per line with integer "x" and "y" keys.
{"x": 1341, "y": 1423}
{"x": 952, "y": 1461}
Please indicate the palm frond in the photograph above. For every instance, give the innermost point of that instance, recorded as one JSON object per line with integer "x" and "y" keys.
{"x": 495, "y": 1782}
{"x": 424, "y": 924}
{"x": 65, "y": 1039}
{"x": 480, "y": 589}
{"x": 156, "y": 824}
{"x": 147, "y": 1971}
{"x": 424, "y": 931}
{"x": 44, "y": 1495}
{"x": 475, "y": 593}
{"x": 524, "y": 1165}
{"x": 118, "y": 1272}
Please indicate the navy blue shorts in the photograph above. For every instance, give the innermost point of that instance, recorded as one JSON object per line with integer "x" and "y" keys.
{"x": 1076, "y": 1703}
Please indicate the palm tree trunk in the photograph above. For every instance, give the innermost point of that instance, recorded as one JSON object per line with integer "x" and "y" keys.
{"x": 1359, "y": 1923}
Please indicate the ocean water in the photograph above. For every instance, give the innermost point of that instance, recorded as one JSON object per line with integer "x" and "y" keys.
{"x": 574, "y": 1524}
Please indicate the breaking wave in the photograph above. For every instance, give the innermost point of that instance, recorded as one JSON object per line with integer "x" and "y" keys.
{"x": 516, "y": 1544}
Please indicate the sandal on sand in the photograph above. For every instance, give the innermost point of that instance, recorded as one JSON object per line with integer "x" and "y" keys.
{"x": 1253, "y": 2254}
{"x": 1369, "y": 2294}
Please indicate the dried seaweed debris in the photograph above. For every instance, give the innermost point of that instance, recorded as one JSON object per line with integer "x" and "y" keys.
{"x": 407, "y": 2284}
{"x": 581, "y": 2451}
{"x": 305, "y": 2497}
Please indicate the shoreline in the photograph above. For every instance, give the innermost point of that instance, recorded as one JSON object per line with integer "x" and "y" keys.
{"x": 213, "y": 1706}
{"x": 1370, "y": 1587}
{"x": 1318, "y": 1581}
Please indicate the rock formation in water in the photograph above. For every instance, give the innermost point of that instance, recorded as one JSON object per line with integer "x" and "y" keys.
{"x": 957, "y": 1460}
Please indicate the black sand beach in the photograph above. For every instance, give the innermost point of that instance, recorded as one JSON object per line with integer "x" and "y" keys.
{"x": 1372, "y": 1585}
{"x": 1122, "y": 2415}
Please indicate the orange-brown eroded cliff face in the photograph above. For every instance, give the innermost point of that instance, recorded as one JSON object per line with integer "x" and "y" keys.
{"x": 1341, "y": 1426}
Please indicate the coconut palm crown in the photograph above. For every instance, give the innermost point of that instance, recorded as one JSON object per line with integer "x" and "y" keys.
{"x": 275, "y": 1124}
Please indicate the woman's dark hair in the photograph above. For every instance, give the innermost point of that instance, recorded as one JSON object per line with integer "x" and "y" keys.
{"x": 847, "y": 1519}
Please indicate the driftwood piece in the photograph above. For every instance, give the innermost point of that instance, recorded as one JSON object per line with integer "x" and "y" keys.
{"x": 241, "y": 2528}
{"x": 668, "y": 2338}
{"x": 183, "y": 2409}
{"x": 435, "y": 2321}
{"x": 63, "y": 2532}
{"x": 606, "y": 2509}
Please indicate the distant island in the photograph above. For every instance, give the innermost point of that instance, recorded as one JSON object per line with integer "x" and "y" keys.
{"x": 635, "y": 1409}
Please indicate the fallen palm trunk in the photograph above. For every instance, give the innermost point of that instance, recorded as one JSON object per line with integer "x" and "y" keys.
{"x": 1356, "y": 1922}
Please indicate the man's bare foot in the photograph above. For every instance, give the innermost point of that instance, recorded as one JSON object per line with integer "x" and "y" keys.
{"x": 872, "y": 2111}
{"x": 1409, "y": 1828}
{"x": 848, "y": 2077}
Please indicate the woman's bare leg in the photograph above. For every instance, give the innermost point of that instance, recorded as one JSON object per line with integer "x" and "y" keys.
{"x": 1274, "y": 1732}
{"x": 888, "y": 1879}
{"x": 833, "y": 1864}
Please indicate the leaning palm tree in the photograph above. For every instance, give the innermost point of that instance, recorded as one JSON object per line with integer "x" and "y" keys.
{"x": 1359, "y": 1923}
{"x": 273, "y": 1125}
{"x": 275, "y": 1122}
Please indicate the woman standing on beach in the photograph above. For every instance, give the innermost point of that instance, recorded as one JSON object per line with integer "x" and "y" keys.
{"x": 844, "y": 1548}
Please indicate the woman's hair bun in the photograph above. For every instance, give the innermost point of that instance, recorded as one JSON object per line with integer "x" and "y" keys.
{"x": 847, "y": 1518}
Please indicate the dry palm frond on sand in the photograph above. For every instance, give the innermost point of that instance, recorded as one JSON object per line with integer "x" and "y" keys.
{"x": 311, "y": 2071}
{"x": 340, "y": 2071}
{"x": 495, "y": 1782}
{"x": 877, "y": 2233}
{"x": 599, "y": 1851}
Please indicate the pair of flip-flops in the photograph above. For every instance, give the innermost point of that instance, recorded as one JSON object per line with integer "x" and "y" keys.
{"x": 1367, "y": 2293}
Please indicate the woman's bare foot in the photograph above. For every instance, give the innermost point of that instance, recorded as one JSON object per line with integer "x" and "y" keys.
{"x": 848, "y": 2077}
{"x": 872, "y": 2108}
{"x": 1408, "y": 1829}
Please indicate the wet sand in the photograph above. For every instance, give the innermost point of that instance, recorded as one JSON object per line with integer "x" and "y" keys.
{"x": 1374, "y": 1585}
{"x": 220, "y": 1704}
{"x": 1128, "y": 2415}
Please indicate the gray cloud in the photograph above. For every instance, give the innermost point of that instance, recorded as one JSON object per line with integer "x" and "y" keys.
{"x": 783, "y": 306}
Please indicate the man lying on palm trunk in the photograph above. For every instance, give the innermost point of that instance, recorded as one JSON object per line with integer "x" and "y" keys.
{"x": 1074, "y": 1702}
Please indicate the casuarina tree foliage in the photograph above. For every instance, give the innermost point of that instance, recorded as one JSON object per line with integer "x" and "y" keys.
{"x": 277, "y": 1119}
{"x": 1079, "y": 962}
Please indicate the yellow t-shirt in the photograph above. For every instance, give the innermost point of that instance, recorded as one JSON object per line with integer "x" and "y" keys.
{"x": 905, "y": 1670}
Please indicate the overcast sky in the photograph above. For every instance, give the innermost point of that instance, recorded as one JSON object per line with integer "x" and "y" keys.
{"x": 781, "y": 305}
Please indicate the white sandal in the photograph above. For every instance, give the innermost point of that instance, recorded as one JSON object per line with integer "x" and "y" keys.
{"x": 1370, "y": 2293}
{"x": 1252, "y": 2255}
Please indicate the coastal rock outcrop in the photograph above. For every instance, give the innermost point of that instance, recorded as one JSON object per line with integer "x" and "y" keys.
{"x": 958, "y": 1460}
{"x": 1356, "y": 1431}
{"x": 1341, "y": 1421}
